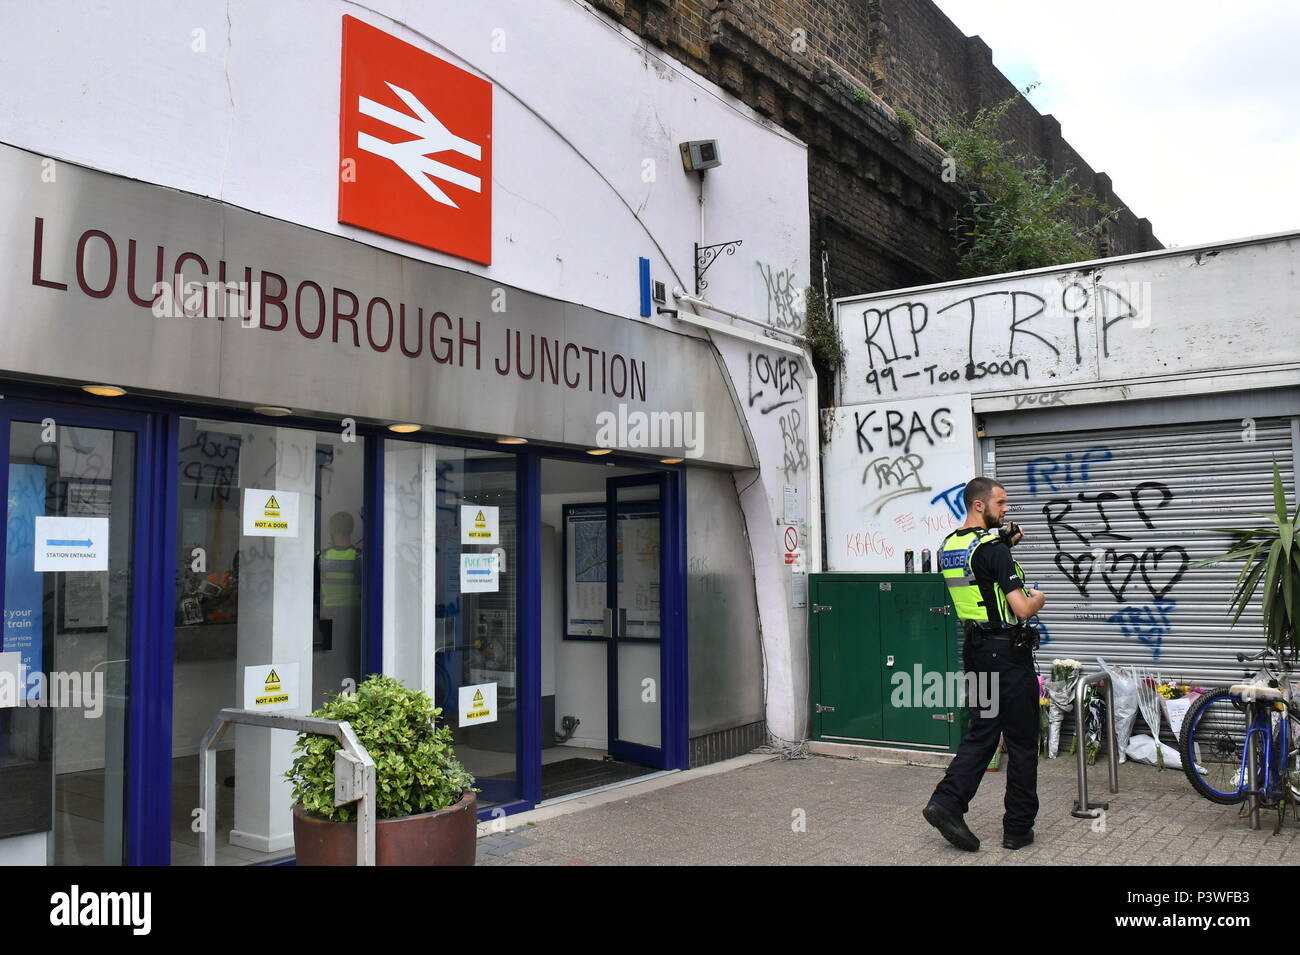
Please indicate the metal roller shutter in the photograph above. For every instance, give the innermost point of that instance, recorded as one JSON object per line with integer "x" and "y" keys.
{"x": 1114, "y": 521}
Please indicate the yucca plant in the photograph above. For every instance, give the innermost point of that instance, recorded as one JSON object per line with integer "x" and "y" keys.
{"x": 1272, "y": 555}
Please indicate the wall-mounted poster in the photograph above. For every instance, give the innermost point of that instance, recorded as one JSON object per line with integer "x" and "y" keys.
{"x": 586, "y": 565}
{"x": 83, "y": 597}
{"x": 23, "y": 605}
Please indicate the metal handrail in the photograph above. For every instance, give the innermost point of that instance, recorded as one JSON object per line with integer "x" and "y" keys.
{"x": 354, "y": 773}
{"x": 1082, "y": 808}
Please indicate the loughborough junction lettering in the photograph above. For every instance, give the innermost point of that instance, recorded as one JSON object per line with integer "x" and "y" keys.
{"x": 265, "y": 300}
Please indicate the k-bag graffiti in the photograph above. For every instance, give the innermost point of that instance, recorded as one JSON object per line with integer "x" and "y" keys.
{"x": 893, "y": 475}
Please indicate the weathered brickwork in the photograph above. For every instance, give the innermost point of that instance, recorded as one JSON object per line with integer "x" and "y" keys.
{"x": 832, "y": 72}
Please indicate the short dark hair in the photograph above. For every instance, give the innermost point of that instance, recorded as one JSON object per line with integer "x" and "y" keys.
{"x": 341, "y": 524}
{"x": 979, "y": 489}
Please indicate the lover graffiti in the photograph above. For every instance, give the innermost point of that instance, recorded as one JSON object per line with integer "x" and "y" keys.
{"x": 776, "y": 384}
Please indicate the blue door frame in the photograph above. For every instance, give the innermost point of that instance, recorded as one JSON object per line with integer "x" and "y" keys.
{"x": 149, "y": 686}
{"x": 619, "y": 748}
{"x": 156, "y": 426}
{"x": 528, "y": 599}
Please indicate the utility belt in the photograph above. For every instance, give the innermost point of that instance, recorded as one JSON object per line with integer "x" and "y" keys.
{"x": 1020, "y": 636}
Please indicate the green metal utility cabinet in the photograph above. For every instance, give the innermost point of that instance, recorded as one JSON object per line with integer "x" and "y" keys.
{"x": 885, "y": 661}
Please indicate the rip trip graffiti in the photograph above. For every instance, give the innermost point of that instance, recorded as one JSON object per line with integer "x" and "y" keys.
{"x": 990, "y": 340}
{"x": 894, "y": 477}
{"x": 1100, "y": 562}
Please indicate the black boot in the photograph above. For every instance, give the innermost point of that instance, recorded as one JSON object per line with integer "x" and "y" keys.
{"x": 951, "y": 826}
{"x": 1016, "y": 840}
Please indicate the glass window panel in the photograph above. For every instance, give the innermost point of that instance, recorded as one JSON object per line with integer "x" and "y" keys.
{"x": 287, "y": 594}
{"x": 449, "y": 619}
{"x": 68, "y": 632}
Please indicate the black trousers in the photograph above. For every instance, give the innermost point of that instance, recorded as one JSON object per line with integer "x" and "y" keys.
{"x": 1011, "y": 671}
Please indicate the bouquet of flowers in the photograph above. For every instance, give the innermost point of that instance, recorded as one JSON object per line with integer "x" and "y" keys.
{"x": 1094, "y": 708}
{"x": 1043, "y": 704}
{"x": 1176, "y": 699}
{"x": 1060, "y": 691}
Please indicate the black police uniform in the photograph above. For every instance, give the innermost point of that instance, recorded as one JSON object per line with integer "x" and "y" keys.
{"x": 988, "y": 652}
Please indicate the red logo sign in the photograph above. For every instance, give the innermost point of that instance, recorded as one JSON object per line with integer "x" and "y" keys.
{"x": 415, "y": 144}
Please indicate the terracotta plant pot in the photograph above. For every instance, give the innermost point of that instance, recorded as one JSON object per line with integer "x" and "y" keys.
{"x": 443, "y": 837}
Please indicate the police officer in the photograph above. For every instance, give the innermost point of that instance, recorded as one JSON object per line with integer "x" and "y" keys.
{"x": 341, "y": 566}
{"x": 987, "y": 587}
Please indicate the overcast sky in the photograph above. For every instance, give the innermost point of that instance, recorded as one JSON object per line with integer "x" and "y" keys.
{"x": 1191, "y": 106}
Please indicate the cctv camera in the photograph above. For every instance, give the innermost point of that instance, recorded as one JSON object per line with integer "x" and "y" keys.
{"x": 700, "y": 154}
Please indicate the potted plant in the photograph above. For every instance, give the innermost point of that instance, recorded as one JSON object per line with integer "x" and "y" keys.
{"x": 1272, "y": 555}
{"x": 425, "y": 805}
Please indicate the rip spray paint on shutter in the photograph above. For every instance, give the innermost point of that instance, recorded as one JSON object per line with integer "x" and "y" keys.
{"x": 1114, "y": 521}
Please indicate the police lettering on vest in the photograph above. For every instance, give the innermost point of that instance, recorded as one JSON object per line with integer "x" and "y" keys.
{"x": 956, "y": 563}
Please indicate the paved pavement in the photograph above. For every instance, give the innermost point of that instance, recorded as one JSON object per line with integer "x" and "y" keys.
{"x": 829, "y": 811}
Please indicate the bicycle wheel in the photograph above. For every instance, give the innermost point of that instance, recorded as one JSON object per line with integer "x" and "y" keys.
{"x": 1211, "y": 746}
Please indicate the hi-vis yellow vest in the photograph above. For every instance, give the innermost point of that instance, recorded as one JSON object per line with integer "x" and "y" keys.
{"x": 341, "y": 577}
{"x": 955, "y": 557}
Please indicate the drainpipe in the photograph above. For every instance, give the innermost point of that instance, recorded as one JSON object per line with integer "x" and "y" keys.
{"x": 811, "y": 414}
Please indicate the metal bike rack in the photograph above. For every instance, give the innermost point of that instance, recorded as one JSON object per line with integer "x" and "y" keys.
{"x": 1082, "y": 808}
{"x": 1252, "y": 766}
{"x": 354, "y": 773}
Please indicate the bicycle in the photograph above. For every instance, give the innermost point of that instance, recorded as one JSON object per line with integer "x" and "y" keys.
{"x": 1234, "y": 735}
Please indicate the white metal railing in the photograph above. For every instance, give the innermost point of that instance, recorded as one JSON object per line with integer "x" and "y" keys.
{"x": 354, "y": 773}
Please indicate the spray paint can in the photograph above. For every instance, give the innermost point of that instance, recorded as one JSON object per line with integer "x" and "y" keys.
{"x": 925, "y": 561}
{"x": 909, "y": 562}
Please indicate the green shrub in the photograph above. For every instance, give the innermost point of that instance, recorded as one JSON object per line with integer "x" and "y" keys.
{"x": 906, "y": 124}
{"x": 822, "y": 335}
{"x": 1016, "y": 215}
{"x": 415, "y": 768}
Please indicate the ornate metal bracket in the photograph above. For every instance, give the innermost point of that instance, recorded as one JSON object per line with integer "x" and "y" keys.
{"x": 705, "y": 256}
